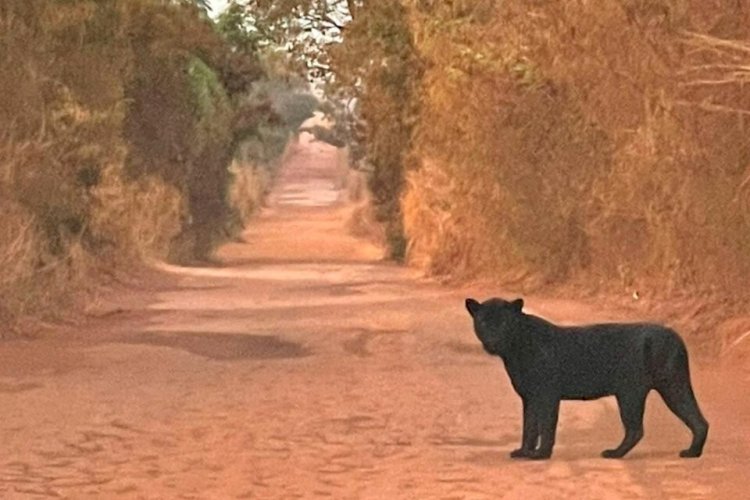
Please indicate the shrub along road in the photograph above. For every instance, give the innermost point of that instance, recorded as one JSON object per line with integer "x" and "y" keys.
{"x": 304, "y": 366}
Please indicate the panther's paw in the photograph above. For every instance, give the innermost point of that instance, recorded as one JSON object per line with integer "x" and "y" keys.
{"x": 690, "y": 453}
{"x": 520, "y": 453}
{"x": 539, "y": 454}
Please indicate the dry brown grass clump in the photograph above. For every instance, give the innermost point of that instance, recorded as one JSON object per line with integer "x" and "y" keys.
{"x": 248, "y": 188}
{"x": 596, "y": 141}
{"x": 141, "y": 218}
{"x": 34, "y": 282}
{"x": 19, "y": 247}
{"x": 362, "y": 220}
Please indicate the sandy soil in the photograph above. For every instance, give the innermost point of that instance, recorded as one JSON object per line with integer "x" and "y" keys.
{"x": 303, "y": 366}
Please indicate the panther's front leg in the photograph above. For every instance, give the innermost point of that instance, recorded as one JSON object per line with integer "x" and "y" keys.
{"x": 546, "y": 412}
{"x": 530, "y": 436}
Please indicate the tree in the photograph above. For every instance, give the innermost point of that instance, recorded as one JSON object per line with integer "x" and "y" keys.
{"x": 363, "y": 54}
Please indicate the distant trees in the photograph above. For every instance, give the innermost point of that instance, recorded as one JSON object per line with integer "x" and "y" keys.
{"x": 549, "y": 141}
{"x": 363, "y": 53}
{"x": 118, "y": 122}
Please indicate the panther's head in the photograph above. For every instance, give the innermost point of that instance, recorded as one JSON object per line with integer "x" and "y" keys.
{"x": 494, "y": 321}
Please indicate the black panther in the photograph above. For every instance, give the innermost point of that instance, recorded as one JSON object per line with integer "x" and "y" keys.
{"x": 549, "y": 363}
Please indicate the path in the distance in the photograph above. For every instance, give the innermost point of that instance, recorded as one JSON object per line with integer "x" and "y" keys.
{"x": 304, "y": 366}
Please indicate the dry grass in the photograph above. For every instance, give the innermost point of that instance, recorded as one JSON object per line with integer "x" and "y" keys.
{"x": 603, "y": 142}
{"x": 19, "y": 246}
{"x": 45, "y": 271}
{"x": 362, "y": 221}
{"x": 441, "y": 235}
{"x": 34, "y": 283}
{"x": 248, "y": 188}
{"x": 138, "y": 219}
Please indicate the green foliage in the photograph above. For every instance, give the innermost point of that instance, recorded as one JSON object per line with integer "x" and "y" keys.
{"x": 233, "y": 25}
{"x": 211, "y": 109}
{"x": 303, "y": 28}
{"x": 377, "y": 63}
{"x": 294, "y": 107}
{"x": 183, "y": 124}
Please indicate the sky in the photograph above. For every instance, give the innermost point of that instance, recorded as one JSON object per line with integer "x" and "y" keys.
{"x": 217, "y": 6}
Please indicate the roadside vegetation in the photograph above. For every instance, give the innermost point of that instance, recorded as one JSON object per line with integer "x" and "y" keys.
{"x": 600, "y": 144}
{"x": 610, "y": 139}
{"x": 129, "y": 131}
{"x": 548, "y": 144}
{"x": 535, "y": 144}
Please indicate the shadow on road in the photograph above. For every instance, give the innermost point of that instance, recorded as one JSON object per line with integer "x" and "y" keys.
{"x": 223, "y": 346}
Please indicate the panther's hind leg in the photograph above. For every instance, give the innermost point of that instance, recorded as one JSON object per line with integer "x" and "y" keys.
{"x": 680, "y": 399}
{"x": 631, "y": 406}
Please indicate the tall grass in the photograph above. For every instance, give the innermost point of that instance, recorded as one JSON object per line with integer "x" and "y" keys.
{"x": 249, "y": 186}
{"x": 596, "y": 141}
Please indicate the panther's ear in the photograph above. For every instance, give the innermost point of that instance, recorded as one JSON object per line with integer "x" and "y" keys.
{"x": 517, "y": 305}
{"x": 472, "y": 306}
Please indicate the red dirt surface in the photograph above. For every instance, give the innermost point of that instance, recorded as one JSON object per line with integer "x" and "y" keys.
{"x": 303, "y": 366}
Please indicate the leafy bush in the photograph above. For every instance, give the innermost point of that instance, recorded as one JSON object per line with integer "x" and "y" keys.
{"x": 116, "y": 136}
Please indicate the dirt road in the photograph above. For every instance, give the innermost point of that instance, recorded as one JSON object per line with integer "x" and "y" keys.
{"x": 304, "y": 367}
